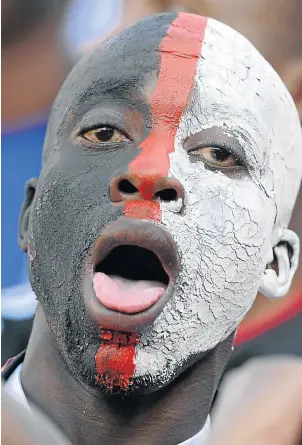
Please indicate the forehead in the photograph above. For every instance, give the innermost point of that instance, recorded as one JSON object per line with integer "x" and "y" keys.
{"x": 122, "y": 67}
{"x": 226, "y": 67}
{"x": 237, "y": 90}
{"x": 207, "y": 72}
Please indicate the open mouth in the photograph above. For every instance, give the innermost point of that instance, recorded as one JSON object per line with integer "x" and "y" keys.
{"x": 130, "y": 274}
{"x": 130, "y": 279}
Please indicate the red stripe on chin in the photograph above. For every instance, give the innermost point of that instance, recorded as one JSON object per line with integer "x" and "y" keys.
{"x": 115, "y": 366}
{"x": 115, "y": 359}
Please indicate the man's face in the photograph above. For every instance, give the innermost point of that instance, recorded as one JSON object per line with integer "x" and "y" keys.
{"x": 152, "y": 219}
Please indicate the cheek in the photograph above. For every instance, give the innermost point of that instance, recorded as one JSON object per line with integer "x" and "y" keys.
{"x": 69, "y": 213}
{"x": 69, "y": 193}
{"x": 214, "y": 223}
{"x": 221, "y": 233}
{"x": 220, "y": 206}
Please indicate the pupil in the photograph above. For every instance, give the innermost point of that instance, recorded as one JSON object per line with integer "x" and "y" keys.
{"x": 105, "y": 134}
{"x": 220, "y": 154}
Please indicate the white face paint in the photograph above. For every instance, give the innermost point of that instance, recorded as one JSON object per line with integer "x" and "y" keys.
{"x": 229, "y": 224}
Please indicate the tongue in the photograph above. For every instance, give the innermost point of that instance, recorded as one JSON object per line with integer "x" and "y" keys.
{"x": 123, "y": 295}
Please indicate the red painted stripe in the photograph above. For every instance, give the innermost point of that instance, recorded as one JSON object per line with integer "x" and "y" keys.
{"x": 253, "y": 330}
{"x": 143, "y": 210}
{"x": 115, "y": 359}
{"x": 179, "y": 51}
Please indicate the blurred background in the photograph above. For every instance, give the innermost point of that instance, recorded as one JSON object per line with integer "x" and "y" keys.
{"x": 41, "y": 41}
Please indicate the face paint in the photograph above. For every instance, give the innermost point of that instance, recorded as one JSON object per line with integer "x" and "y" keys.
{"x": 115, "y": 359}
{"x": 183, "y": 41}
{"x": 215, "y": 99}
{"x": 221, "y": 234}
{"x": 184, "y": 37}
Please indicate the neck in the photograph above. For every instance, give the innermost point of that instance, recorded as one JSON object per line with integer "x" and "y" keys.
{"x": 32, "y": 73}
{"x": 85, "y": 415}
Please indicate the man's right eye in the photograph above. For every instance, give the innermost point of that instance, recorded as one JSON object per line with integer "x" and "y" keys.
{"x": 105, "y": 135}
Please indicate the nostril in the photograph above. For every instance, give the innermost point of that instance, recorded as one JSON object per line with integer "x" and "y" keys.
{"x": 166, "y": 195}
{"x": 125, "y": 186}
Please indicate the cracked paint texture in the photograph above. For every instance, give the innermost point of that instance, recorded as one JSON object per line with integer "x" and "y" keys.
{"x": 228, "y": 225}
{"x": 225, "y": 228}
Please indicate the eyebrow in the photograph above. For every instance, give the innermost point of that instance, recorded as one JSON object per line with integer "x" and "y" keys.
{"x": 110, "y": 87}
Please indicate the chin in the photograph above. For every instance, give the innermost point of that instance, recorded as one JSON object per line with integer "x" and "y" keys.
{"x": 150, "y": 374}
{"x": 157, "y": 375}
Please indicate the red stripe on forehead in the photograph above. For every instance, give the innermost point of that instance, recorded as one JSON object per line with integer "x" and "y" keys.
{"x": 179, "y": 52}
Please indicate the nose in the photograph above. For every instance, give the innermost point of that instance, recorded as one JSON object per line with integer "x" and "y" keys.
{"x": 133, "y": 187}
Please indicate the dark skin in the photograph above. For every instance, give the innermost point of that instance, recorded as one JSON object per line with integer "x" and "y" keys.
{"x": 23, "y": 427}
{"x": 88, "y": 416}
{"x": 62, "y": 218}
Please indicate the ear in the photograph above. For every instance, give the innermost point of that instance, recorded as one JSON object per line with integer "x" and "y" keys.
{"x": 292, "y": 77}
{"x": 276, "y": 282}
{"x": 30, "y": 190}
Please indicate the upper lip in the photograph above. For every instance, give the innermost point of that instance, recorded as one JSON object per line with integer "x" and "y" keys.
{"x": 142, "y": 233}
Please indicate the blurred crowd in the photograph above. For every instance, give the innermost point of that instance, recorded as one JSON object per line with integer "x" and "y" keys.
{"x": 41, "y": 41}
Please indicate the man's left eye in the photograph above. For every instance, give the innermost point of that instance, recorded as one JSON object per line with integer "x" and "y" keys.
{"x": 216, "y": 157}
{"x": 105, "y": 135}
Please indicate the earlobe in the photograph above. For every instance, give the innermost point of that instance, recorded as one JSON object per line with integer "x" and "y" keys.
{"x": 276, "y": 284}
{"x": 30, "y": 190}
